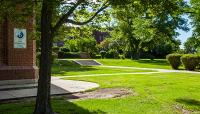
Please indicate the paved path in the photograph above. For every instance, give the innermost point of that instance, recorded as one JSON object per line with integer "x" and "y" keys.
{"x": 58, "y": 87}
{"x": 113, "y": 74}
{"x": 156, "y": 69}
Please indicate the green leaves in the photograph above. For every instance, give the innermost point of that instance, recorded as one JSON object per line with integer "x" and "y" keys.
{"x": 192, "y": 44}
{"x": 195, "y": 15}
{"x": 120, "y": 2}
{"x": 17, "y": 11}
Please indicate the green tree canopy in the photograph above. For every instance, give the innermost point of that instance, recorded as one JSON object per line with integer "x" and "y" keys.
{"x": 141, "y": 21}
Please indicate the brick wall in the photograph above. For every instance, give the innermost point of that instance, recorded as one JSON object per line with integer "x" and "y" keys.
{"x": 18, "y": 72}
{"x": 1, "y": 45}
{"x": 19, "y": 63}
{"x": 21, "y": 57}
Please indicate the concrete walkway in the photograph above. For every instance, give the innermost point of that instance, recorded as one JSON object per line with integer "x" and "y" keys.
{"x": 58, "y": 87}
{"x": 114, "y": 74}
{"x": 156, "y": 69}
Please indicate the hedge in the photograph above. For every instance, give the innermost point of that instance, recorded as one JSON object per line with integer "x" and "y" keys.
{"x": 174, "y": 60}
{"x": 102, "y": 53}
{"x": 62, "y": 55}
{"x": 65, "y": 49}
{"x": 190, "y": 61}
{"x": 112, "y": 54}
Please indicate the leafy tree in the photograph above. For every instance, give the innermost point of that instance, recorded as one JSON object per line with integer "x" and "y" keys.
{"x": 51, "y": 21}
{"x": 192, "y": 44}
{"x": 69, "y": 12}
{"x": 56, "y": 13}
{"x": 164, "y": 47}
{"x": 140, "y": 22}
{"x": 87, "y": 45}
{"x": 194, "y": 11}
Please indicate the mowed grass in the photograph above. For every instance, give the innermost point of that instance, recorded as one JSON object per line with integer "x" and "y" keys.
{"x": 160, "y": 93}
{"x": 68, "y": 68}
{"x": 155, "y": 94}
{"x": 143, "y": 63}
{"x": 164, "y": 93}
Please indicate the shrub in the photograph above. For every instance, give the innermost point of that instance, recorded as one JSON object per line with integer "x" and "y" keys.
{"x": 151, "y": 57}
{"x": 190, "y": 61}
{"x": 96, "y": 57}
{"x": 65, "y": 50}
{"x": 112, "y": 54}
{"x": 174, "y": 60}
{"x": 128, "y": 54}
{"x": 121, "y": 56}
{"x": 93, "y": 54}
{"x": 62, "y": 55}
{"x": 103, "y": 53}
{"x": 55, "y": 49}
{"x": 120, "y": 51}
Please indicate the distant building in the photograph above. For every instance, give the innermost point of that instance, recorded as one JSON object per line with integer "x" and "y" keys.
{"x": 100, "y": 36}
{"x": 59, "y": 43}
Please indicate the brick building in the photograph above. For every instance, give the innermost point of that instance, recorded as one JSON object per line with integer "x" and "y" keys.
{"x": 17, "y": 51}
{"x": 99, "y": 35}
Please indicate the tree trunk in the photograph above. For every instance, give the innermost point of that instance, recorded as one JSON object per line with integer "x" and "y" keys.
{"x": 137, "y": 54}
{"x": 131, "y": 46}
{"x": 137, "y": 51}
{"x": 43, "y": 103}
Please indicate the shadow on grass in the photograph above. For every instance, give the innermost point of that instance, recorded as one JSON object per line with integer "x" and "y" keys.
{"x": 63, "y": 66}
{"x": 63, "y": 106}
{"x": 154, "y": 62}
{"x": 60, "y": 106}
{"x": 186, "y": 101}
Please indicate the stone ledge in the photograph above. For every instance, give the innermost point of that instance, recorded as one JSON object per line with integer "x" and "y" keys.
{"x": 18, "y": 82}
{"x": 18, "y": 72}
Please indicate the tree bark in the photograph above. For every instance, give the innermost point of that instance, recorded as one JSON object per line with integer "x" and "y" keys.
{"x": 43, "y": 103}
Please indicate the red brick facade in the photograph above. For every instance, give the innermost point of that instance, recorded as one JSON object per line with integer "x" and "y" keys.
{"x": 17, "y": 63}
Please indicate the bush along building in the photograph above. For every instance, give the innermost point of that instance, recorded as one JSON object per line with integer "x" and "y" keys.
{"x": 17, "y": 51}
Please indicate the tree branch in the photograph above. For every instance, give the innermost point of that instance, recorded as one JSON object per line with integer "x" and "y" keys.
{"x": 66, "y": 16}
{"x": 89, "y": 20}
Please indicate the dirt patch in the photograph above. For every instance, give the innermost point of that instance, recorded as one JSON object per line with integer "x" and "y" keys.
{"x": 97, "y": 94}
{"x": 103, "y": 93}
{"x": 182, "y": 110}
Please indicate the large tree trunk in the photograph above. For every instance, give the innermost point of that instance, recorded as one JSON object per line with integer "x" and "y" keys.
{"x": 43, "y": 104}
{"x": 137, "y": 51}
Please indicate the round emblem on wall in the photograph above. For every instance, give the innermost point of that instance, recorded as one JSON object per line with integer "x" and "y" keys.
{"x": 20, "y": 34}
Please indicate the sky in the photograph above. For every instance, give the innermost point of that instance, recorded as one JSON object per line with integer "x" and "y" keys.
{"x": 184, "y": 35}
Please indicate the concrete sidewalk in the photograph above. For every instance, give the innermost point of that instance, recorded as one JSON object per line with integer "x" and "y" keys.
{"x": 58, "y": 87}
{"x": 155, "y": 69}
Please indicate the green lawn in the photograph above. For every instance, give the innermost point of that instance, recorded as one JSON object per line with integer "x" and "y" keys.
{"x": 161, "y": 93}
{"x": 157, "y": 93}
{"x": 68, "y": 68}
{"x": 144, "y": 63}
